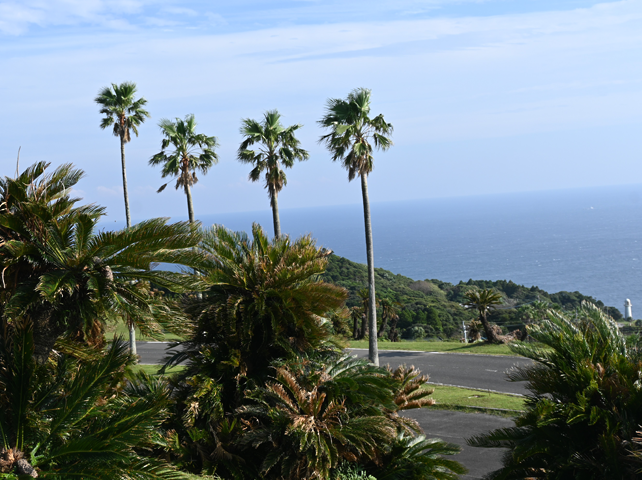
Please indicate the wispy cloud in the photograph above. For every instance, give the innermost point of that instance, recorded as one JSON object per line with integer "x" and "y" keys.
{"x": 448, "y": 78}
{"x": 18, "y": 17}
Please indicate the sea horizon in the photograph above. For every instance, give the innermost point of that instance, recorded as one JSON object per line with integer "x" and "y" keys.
{"x": 581, "y": 239}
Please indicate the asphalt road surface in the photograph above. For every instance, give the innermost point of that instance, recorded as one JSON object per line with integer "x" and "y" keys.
{"x": 461, "y": 369}
{"x": 455, "y": 427}
{"x": 466, "y": 370}
{"x": 487, "y": 372}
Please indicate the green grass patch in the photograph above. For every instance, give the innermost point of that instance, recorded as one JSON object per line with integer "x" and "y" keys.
{"x": 121, "y": 330}
{"x": 153, "y": 369}
{"x": 463, "y": 397}
{"x": 454, "y": 347}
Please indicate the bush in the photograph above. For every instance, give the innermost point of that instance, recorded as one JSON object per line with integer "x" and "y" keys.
{"x": 584, "y": 405}
{"x": 351, "y": 472}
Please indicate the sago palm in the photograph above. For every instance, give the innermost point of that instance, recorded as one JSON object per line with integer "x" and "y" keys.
{"x": 352, "y": 138}
{"x": 484, "y": 301}
{"x": 126, "y": 113}
{"x": 584, "y": 404}
{"x": 309, "y": 429}
{"x": 316, "y": 416}
{"x": 278, "y": 147}
{"x": 64, "y": 275}
{"x": 263, "y": 301}
{"x": 76, "y": 419}
{"x": 183, "y": 153}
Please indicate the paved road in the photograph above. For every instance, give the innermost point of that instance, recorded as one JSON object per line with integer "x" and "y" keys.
{"x": 151, "y": 353}
{"x": 462, "y": 369}
{"x": 468, "y": 370}
{"x": 455, "y": 427}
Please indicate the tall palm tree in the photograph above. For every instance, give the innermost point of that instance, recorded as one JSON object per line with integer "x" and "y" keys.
{"x": 484, "y": 301}
{"x": 279, "y": 147}
{"x": 125, "y": 113}
{"x": 353, "y": 134}
{"x": 191, "y": 152}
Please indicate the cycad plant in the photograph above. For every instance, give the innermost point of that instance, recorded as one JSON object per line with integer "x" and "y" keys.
{"x": 65, "y": 276}
{"x": 584, "y": 404}
{"x": 75, "y": 419}
{"x": 306, "y": 427}
{"x": 264, "y": 301}
{"x": 316, "y": 417}
{"x": 484, "y": 301}
{"x": 277, "y": 147}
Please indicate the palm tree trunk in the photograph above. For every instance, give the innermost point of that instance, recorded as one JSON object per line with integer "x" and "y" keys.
{"x": 364, "y": 326}
{"x": 384, "y": 323}
{"x": 122, "y": 161}
{"x": 373, "y": 347}
{"x": 190, "y": 206}
{"x": 190, "y": 213}
{"x": 132, "y": 330}
{"x": 274, "y": 200}
{"x": 393, "y": 337}
{"x": 132, "y": 338}
{"x": 490, "y": 333}
{"x": 355, "y": 327}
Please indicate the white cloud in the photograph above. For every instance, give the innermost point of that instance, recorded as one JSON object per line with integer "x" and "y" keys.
{"x": 18, "y": 17}
{"x": 110, "y": 190}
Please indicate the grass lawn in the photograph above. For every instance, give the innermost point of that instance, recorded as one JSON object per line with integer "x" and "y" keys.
{"x": 448, "y": 397}
{"x": 153, "y": 369}
{"x": 121, "y": 330}
{"x": 454, "y": 347}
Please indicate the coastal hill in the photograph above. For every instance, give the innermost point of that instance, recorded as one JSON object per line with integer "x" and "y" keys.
{"x": 435, "y": 306}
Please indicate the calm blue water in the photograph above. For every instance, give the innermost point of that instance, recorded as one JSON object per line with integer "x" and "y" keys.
{"x": 589, "y": 240}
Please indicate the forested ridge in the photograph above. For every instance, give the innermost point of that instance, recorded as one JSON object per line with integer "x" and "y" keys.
{"x": 436, "y": 306}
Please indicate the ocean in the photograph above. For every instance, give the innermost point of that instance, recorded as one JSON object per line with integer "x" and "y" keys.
{"x": 587, "y": 240}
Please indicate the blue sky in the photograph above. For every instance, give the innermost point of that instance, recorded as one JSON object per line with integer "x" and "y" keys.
{"x": 486, "y": 96}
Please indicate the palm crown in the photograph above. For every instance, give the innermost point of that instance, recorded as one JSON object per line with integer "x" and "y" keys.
{"x": 121, "y": 109}
{"x": 279, "y": 147}
{"x": 191, "y": 152}
{"x": 353, "y": 133}
{"x": 185, "y": 159}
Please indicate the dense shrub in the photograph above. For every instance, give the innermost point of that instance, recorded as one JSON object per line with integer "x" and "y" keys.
{"x": 584, "y": 405}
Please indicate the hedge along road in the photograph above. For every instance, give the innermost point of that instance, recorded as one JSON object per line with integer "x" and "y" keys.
{"x": 461, "y": 369}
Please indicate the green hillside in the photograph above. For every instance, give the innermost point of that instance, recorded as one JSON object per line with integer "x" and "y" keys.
{"x": 435, "y": 306}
